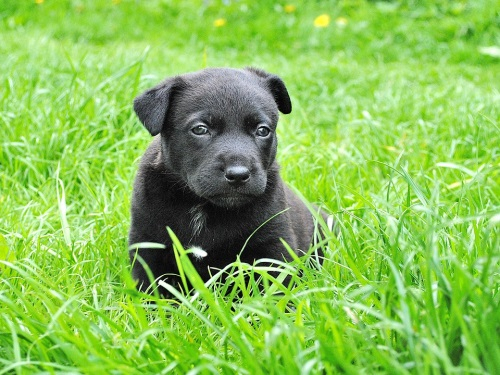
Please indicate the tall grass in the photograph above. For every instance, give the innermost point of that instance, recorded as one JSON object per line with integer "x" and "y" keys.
{"x": 395, "y": 130}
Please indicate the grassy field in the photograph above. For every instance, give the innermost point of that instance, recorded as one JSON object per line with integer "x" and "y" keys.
{"x": 395, "y": 130}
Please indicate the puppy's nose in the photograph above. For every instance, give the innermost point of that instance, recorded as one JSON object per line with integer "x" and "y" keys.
{"x": 237, "y": 175}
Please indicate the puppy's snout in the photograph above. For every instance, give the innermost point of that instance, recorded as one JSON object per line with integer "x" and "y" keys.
{"x": 237, "y": 175}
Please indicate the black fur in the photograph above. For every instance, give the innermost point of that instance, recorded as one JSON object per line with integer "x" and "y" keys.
{"x": 214, "y": 189}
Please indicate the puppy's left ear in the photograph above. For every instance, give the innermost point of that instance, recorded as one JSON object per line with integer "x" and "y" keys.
{"x": 152, "y": 106}
{"x": 277, "y": 87}
{"x": 280, "y": 93}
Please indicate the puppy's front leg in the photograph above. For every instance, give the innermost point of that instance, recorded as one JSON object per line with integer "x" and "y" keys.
{"x": 159, "y": 265}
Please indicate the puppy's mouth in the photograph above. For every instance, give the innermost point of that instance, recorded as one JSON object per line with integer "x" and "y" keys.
{"x": 221, "y": 194}
{"x": 230, "y": 201}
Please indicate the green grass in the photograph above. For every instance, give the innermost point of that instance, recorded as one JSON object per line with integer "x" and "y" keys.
{"x": 395, "y": 130}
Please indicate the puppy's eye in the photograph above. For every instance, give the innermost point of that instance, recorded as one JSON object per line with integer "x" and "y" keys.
{"x": 200, "y": 130}
{"x": 262, "y": 131}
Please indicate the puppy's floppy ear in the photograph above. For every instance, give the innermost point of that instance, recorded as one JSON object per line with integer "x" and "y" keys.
{"x": 280, "y": 93}
{"x": 152, "y": 105}
{"x": 277, "y": 87}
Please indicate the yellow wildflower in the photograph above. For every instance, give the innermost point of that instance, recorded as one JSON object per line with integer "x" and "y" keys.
{"x": 322, "y": 20}
{"x": 289, "y": 8}
{"x": 219, "y": 22}
{"x": 38, "y": 1}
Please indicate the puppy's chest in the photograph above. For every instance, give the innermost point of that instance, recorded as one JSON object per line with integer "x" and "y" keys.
{"x": 217, "y": 231}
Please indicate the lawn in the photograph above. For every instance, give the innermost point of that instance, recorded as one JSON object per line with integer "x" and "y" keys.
{"x": 395, "y": 130}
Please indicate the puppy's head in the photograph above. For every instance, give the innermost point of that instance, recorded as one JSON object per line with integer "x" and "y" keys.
{"x": 218, "y": 130}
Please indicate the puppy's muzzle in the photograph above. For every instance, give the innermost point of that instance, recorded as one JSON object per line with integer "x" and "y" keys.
{"x": 237, "y": 175}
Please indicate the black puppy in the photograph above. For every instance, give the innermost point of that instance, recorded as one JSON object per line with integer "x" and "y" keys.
{"x": 211, "y": 175}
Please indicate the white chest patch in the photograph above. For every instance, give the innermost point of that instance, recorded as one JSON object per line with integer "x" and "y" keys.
{"x": 198, "y": 219}
{"x": 198, "y": 253}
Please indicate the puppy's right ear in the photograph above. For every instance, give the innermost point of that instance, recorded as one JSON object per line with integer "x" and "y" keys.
{"x": 151, "y": 106}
